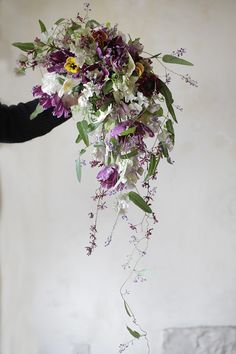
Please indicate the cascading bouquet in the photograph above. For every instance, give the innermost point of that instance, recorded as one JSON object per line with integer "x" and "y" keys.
{"x": 126, "y": 113}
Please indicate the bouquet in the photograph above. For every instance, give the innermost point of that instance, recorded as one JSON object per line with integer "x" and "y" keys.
{"x": 126, "y": 115}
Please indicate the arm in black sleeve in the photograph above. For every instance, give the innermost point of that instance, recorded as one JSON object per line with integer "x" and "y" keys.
{"x": 16, "y": 126}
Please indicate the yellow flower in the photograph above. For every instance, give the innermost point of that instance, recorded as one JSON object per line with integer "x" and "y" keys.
{"x": 71, "y": 66}
{"x": 139, "y": 68}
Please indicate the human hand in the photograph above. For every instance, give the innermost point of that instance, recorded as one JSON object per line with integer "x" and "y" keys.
{"x": 69, "y": 100}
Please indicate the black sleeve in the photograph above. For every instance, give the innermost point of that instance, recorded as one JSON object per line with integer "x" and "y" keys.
{"x": 16, "y": 126}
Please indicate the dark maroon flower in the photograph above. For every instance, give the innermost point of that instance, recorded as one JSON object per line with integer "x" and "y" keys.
{"x": 148, "y": 84}
{"x": 143, "y": 129}
{"x": 108, "y": 176}
{"x": 116, "y": 53}
{"x": 100, "y": 36}
{"x": 57, "y": 60}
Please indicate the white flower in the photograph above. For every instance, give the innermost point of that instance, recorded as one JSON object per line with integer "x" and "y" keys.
{"x": 104, "y": 114}
{"x": 122, "y": 204}
{"x": 165, "y": 138}
{"x": 82, "y": 101}
{"x": 142, "y": 100}
{"x": 67, "y": 87}
{"x": 50, "y": 83}
{"x": 80, "y": 54}
{"x": 99, "y": 153}
{"x": 154, "y": 108}
{"x": 130, "y": 66}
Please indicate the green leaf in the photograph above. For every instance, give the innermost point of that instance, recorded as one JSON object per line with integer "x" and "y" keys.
{"x": 108, "y": 86}
{"x": 39, "y": 109}
{"x": 159, "y": 113}
{"x": 75, "y": 26}
{"x": 126, "y": 308}
{"x": 78, "y": 88}
{"x": 78, "y": 169}
{"x": 135, "y": 334}
{"x": 93, "y": 126}
{"x": 155, "y": 56}
{"x": 82, "y": 152}
{"x": 175, "y": 60}
{"x": 42, "y": 26}
{"x": 129, "y": 155}
{"x": 139, "y": 201}
{"x": 104, "y": 107}
{"x": 154, "y": 161}
{"x": 92, "y": 24}
{"x": 164, "y": 149}
{"x": 60, "y": 80}
{"x": 26, "y": 47}
{"x": 83, "y": 130}
{"x": 79, "y": 139}
{"x": 169, "y": 126}
{"x": 128, "y": 131}
{"x": 164, "y": 90}
{"x": 59, "y": 21}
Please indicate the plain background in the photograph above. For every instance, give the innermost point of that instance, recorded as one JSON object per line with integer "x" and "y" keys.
{"x": 53, "y": 297}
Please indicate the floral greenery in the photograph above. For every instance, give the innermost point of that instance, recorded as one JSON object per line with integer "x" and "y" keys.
{"x": 128, "y": 116}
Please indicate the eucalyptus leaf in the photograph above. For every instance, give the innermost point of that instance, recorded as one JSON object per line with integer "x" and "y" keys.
{"x": 42, "y": 26}
{"x": 39, "y": 109}
{"x": 75, "y": 26}
{"x": 164, "y": 149}
{"x": 126, "y": 308}
{"x": 139, "y": 201}
{"x": 26, "y": 47}
{"x": 164, "y": 90}
{"x": 92, "y": 24}
{"x": 135, "y": 334}
{"x": 59, "y": 21}
{"x": 79, "y": 139}
{"x": 83, "y": 130}
{"x": 78, "y": 169}
{"x": 154, "y": 161}
{"x": 169, "y": 126}
{"x": 171, "y": 59}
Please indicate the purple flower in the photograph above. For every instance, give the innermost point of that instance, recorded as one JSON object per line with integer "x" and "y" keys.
{"x": 59, "y": 108}
{"x": 108, "y": 176}
{"x": 51, "y": 101}
{"x": 119, "y": 128}
{"x": 140, "y": 131}
{"x": 45, "y": 100}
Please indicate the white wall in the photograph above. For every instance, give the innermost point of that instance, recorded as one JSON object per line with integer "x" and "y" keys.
{"x": 52, "y": 295}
